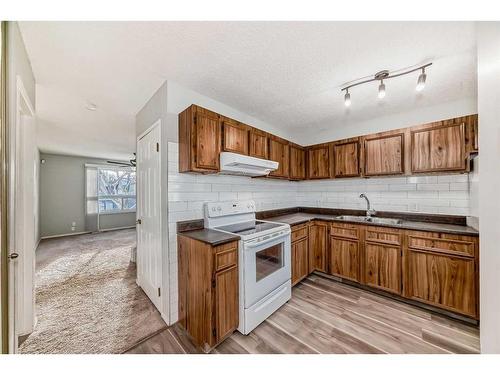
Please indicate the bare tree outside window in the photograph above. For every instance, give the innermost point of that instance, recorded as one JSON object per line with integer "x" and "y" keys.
{"x": 116, "y": 190}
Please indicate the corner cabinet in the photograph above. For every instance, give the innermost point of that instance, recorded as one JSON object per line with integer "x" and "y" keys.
{"x": 318, "y": 243}
{"x": 297, "y": 169}
{"x": 199, "y": 140}
{"x": 346, "y": 157}
{"x": 319, "y": 162}
{"x": 208, "y": 290}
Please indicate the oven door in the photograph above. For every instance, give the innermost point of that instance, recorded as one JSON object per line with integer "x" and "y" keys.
{"x": 267, "y": 266}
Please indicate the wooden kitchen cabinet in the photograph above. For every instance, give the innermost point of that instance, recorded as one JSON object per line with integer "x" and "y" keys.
{"x": 318, "y": 243}
{"x": 383, "y": 154}
{"x": 279, "y": 151}
{"x": 346, "y": 158}
{"x": 199, "y": 140}
{"x": 345, "y": 251}
{"x": 382, "y": 258}
{"x": 259, "y": 145}
{"x": 208, "y": 290}
{"x": 297, "y": 169}
{"x": 318, "y": 162}
{"x": 235, "y": 136}
{"x": 442, "y": 270}
{"x": 438, "y": 147}
{"x": 300, "y": 261}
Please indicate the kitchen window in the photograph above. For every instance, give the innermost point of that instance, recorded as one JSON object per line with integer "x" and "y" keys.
{"x": 116, "y": 190}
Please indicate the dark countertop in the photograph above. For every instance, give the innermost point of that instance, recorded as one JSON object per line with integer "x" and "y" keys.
{"x": 303, "y": 217}
{"x": 210, "y": 236}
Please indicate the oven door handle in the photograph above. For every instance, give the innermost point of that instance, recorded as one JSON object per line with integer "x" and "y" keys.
{"x": 253, "y": 245}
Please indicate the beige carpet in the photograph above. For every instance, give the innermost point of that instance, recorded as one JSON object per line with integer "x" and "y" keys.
{"x": 87, "y": 300}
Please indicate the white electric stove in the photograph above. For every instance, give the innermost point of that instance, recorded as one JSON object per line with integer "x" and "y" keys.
{"x": 264, "y": 259}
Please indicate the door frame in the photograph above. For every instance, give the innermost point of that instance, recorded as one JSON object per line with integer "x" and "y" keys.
{"x": 4, "y": 228}
{"x": 165, "y": 254}
{"x": 15, "y": 169}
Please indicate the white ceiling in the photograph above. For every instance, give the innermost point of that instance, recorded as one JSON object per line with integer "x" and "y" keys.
{"x": 285, "y": 73}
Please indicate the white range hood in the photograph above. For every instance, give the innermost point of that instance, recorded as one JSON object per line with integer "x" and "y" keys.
{"x": 242, "y": 165}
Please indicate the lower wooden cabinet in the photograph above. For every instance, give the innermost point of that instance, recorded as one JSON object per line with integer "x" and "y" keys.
{"x": 318, "y": 243}
{"x": 300, "y": 261}
{"x": 383, "y": 267}
{"x": 208, "y": 290}
{"x": 300, "y": 252}
{"x": 442, "y": 270}
{"x": 344, "y": 258}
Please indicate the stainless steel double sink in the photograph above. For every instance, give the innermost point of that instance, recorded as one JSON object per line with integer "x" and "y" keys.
{"x": 369, "y": 219}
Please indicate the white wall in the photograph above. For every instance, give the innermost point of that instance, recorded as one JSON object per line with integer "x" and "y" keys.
{"x": 489, "y": 183}
{"x": 405, "y": 119}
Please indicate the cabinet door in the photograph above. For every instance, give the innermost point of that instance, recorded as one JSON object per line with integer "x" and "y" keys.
{"x": 235, "y": 137}
{"x": 442, "y": 280}
{"x": 226, "y": 302}
{"x": 297, "y": 163}
{"x": 344, "y": 258}
{"x": 279, "y": 151}
{"x": 207, "y": 140}
{"x": 438, "y": 149}
{"x": 300, "y": 264}
{"x": 384, "y": 155}
{"x": 346, "y": 159}
{"x": 383, "y": 267}
{"x": 318, "y": 162}
{"x": 318, "y": 239}
{"x": 258, "y": 144}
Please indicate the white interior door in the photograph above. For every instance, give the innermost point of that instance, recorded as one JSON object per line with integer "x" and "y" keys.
{"x": 149, "y": 264}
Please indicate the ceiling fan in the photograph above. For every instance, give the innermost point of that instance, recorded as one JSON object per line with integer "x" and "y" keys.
{"x": 131, "y": 163}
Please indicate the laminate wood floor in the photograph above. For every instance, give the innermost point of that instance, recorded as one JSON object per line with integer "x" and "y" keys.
{"x": 325, "y": 316}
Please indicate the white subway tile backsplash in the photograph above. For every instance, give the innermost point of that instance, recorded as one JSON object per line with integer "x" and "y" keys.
{"x": 447, "y": 194}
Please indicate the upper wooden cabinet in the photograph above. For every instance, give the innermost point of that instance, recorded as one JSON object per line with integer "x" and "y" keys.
{"x": 383, "y": 154}
{"x": 235, "y": 136}
{"x": 318, "y": 162}
{"x": 439, "y": 147}
{"x": 199, "y": 140}
{"x": 346, "y": 158}
{"x": 258, "y": 146}
{"x": 443, "y": 146}
{"x": 297, "y": 162}
{"x": 279, "y": 151}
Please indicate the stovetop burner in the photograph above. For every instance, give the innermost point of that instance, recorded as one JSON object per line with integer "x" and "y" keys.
{"x": 248, "y": 227}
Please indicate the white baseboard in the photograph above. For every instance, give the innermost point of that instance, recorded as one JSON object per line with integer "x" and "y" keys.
{"x": 110, "y": 229}
{"x": 64, "y": 235}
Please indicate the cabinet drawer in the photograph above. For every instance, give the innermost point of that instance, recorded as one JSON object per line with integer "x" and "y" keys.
{"x": 344, "y": 230}
{"x": 383, "y": 235}
{"x": 226, "y": 246}
{"x": 299, "y": 232}
{"x": 442, "y": 245}
{"x": 226, "y": 258}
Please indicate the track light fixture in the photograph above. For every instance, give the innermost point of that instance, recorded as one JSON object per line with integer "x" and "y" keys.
{"x": 381, "y": 90}
{"x": 421, "y": 80}
{"x": 347, "y": 98}
{"x": 384, "y": 75}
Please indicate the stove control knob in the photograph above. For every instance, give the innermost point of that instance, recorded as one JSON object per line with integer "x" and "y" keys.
{"x": 219, "y": 208}
{"x": 213, "y": 209}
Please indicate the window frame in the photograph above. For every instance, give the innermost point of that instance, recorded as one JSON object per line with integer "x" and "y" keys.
{"x": 117, "y": 196}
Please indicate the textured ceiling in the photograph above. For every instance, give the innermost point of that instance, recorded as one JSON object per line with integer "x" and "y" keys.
{"x": 285, "y": 73}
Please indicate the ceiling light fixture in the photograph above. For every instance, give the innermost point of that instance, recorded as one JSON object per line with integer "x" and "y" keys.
{"x": 347, "y": 98}
{"x": 381, "y": 90}
{"x": 91, "y": 106}
{"x": 384, "y": 75}
{"x": 421, "y": 80}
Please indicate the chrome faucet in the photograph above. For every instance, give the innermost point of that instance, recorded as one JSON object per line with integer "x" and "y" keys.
{"x": 369, "y": 212}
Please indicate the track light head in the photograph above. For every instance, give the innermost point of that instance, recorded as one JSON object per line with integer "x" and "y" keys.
{"x": 347, "y": 98}
{"x": 421, "y": 80}
{"x": 381, "y": 90}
